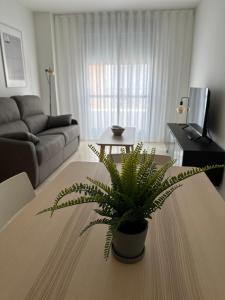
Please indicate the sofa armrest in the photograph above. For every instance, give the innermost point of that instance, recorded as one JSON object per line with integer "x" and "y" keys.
{"x": 18, "y": 156}
{"x": 74, "y": 122}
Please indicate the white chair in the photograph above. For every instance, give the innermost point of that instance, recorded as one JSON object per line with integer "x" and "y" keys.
{"x": 159, "y": 159}
{"x": 15, "y": 192}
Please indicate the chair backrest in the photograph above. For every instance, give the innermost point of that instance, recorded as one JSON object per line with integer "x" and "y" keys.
{"x": 159, "y": 159}
{"x": 15, "y": 192}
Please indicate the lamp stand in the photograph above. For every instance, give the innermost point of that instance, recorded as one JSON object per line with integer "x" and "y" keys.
{"x": 49, "y": 74}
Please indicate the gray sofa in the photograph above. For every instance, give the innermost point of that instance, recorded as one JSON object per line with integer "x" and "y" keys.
{"x": 38, "y": 160}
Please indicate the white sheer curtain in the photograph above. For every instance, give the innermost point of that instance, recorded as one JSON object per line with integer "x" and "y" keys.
{"x": 126, "y": 68}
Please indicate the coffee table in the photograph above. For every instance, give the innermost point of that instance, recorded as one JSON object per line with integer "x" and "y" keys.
{"x": 127, "y": 140}
{"x": 45, "y": 258}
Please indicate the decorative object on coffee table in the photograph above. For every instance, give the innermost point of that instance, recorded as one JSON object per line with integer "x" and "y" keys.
{"x": 136, "y": 192}
{"x": 117, "y": 130}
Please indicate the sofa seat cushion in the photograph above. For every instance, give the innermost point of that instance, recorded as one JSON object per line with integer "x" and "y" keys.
{"x": 68, "y": 132}
{"x": 48, "y": 146}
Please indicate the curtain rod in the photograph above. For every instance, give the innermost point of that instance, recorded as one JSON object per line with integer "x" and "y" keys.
{"x": 130, "y": 10}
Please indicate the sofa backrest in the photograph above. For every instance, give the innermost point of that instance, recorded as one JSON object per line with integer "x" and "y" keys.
{"x": 10, "y": 120}
{"x": 31, "y": 112}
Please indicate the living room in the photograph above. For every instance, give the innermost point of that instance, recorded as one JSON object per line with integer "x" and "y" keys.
{"x": 94, "y": 65}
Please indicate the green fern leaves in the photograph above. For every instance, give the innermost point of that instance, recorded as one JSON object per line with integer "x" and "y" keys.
{"x": 135, "y": 193}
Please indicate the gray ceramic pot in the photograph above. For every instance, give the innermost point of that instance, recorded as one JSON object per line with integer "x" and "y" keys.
{"x": 129, "y": 248}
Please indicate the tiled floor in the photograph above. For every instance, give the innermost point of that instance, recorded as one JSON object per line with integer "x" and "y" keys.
{"x": 85, "y": 154}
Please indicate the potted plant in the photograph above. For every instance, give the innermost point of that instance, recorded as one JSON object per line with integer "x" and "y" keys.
{"x": 135, "y": 193}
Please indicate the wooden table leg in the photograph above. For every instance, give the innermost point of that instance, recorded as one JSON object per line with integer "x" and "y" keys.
{"x": 127, "y": 149}
{"x": 102, "y": 152}
{"x": 110, "y": 150}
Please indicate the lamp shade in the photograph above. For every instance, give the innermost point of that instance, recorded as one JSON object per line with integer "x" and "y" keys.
{"x": 181, "y": 109}
{"x": 50, "y": 71}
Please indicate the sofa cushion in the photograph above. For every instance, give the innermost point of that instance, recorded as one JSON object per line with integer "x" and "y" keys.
{"x": 68, "y": 132}
{"x": 74, "y": 122}
{"x": 36, "y": 123}
{"x": 29, "y": 105}
{"x": 59, "y": 121}
{"x": 22, "y": 136}
{"x": 31, "y": 112}
{"x": 9, "y": 111}
{"x": 13, "y": 127}
{"x": 49, "y": 146}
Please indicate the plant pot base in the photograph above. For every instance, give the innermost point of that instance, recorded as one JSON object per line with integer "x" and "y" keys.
{"x": 127, "y": 260}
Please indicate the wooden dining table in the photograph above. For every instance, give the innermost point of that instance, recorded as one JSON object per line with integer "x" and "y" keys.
{"x": 43, "y": 257}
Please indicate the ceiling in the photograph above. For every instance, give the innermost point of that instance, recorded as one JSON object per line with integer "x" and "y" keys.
{"x": 69, "y": 6}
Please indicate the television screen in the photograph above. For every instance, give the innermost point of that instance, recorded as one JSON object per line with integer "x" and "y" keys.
{"x": 198, "y": 108}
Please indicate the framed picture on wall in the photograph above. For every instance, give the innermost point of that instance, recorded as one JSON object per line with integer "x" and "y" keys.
{"x": 13, "y": 56}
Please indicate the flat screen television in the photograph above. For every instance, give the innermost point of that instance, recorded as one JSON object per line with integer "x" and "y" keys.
{"x": 198, "y": 107}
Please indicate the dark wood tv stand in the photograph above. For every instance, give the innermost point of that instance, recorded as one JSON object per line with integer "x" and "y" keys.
{"x": 198, "y": 153}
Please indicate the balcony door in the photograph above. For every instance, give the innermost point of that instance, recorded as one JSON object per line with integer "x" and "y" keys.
{"x": 118, "y": 94}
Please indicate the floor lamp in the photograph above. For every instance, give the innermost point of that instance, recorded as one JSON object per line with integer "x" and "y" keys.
{"x": 49, "y": 74}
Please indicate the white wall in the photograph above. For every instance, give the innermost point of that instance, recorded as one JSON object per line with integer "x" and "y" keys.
{"x": 208, "y": 63}
{"x": 15, "y": 15}
{"x": 44, "y": 31}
